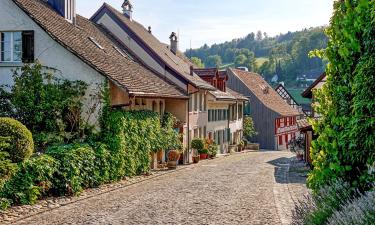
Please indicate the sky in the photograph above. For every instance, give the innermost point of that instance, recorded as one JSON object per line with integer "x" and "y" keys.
{"x": 200, "y": 22}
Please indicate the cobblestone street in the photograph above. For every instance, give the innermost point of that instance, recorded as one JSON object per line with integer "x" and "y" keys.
{"x": 249, "y": 188}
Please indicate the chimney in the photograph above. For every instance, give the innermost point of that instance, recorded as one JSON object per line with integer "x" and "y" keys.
{"x": 66, "y": 8}
{"x": 192, "y": 70}
{"x": 127, "y": 9}
{"x": 174, "y": 43}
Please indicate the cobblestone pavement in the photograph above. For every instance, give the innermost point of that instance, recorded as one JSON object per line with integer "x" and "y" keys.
{"x": 249, "y": 188}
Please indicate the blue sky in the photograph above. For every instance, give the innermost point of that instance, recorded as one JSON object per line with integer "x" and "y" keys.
{"x": 216, "y": 21}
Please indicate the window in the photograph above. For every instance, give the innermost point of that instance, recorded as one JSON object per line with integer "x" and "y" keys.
{"x": 161, "y": 108}
{"x": 280, "y": 140}
{"x": 240, "y": 112}
{"x": 11, "y": 46}
{"x": 205, "y": 132}
{"x": 209, "y": 115}
{"x": 200, "y": 102}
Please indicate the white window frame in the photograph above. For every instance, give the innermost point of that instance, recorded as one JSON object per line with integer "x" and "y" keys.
{"x": 11, "y": 47}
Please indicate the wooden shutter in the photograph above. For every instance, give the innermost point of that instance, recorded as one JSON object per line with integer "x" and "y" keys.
{"x": 28, "y": 46}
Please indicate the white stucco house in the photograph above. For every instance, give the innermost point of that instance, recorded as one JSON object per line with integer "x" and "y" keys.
{"x": 75, "y": 48}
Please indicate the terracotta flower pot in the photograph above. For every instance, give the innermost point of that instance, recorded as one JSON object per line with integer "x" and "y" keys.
{"x": 172, "y": 164}
{"x": 196, "y": 159}
{"x": 203, "y": 156}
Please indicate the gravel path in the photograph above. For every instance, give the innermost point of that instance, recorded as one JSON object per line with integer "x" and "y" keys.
{"x": 249, "y": 188}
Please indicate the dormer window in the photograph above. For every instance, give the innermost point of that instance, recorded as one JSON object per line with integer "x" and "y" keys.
{"x": 17, "y": 46}
{"x": 66, "y": 8}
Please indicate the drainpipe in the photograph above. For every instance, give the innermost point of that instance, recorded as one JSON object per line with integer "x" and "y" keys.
{"x": 188, "y": 131}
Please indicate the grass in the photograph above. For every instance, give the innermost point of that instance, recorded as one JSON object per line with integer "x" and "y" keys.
{"x": 260, "y": 61}
{"x": 296, "y": 93}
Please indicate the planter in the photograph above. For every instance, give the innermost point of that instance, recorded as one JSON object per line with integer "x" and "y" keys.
{"x": 300, "y": 157}
{"x": 172, "y": 164}
{"x": 203, "y": 156}
{"x": 196, "y": 159}
{"x": 173, "y": 157}
{"x": 255, "y": 147}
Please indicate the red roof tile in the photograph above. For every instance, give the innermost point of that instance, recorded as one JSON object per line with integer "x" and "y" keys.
{"x": 79, "y": 39}
{"x": 265, "y": 93}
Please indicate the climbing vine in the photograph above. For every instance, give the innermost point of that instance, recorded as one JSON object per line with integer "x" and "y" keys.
{"x": 346, "y": 145}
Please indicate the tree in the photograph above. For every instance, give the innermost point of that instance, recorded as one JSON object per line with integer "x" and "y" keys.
{"x": 346, "y": 104}
{"x": 249, "y": 129}
{"x": 214, "y": 61}
{"x": 259, "y": 36}
{"x": 197, "y": 61}
{"x": 240, "y": 60}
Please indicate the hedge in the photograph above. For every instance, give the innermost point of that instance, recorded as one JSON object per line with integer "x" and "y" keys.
{"x": 128, "y": 139}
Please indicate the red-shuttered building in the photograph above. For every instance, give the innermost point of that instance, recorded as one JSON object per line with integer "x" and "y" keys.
{"x": 274, "y": 119}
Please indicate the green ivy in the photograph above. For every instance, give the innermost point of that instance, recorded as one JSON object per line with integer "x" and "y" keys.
{"x": 346, "y": 145}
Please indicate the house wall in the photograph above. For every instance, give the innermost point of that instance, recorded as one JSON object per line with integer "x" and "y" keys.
{"x": 263, "y": 117}
{"x": 236, "y": 127}
{"x": 140, "y": 52}
{"x": 49, "y": 53}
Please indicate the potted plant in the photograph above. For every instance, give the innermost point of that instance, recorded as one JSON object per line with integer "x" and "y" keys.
{"x": 198, "y": 145}
{"x": 211, "y": 146}
{"x": 297, "y": 145}
{"x": 241, "y": 146}
{"x": 203, "y": 154}
{"x": 173, "y": 157}
{"x": 196, "y": 156}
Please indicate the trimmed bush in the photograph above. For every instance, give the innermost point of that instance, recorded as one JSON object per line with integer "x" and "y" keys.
{"x": 77, "y": 169}
{"x": 32, "y": 180}
{"x": 21, "y": 145}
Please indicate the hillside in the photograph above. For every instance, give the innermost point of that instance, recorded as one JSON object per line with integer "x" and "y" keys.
{"x": 285, "y": 55}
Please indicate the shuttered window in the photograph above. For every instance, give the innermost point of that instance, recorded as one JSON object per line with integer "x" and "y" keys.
{"x": 28, "y": 46}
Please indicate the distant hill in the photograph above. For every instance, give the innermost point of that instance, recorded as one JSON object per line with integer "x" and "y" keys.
{"x": 285, "y": 55}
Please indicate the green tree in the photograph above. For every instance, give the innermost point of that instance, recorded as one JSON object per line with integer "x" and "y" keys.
{"x": 214, "y": 61}
{"x": 345, "y": 147}
{"x": 248, "y": 127}
{"x": 197, "y": 61}
{"x": 240, "y": 60}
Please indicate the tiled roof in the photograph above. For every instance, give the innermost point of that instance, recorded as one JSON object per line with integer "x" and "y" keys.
{"x": 208, "y": 72}
{"x": 303, "y": 124}
{"x": 109, "y": 60}
{"x": 220, "y": 95}
{"x": 176, "y": 63}
{"x": 237, "y": 95}
{"x": 265, "y": 93}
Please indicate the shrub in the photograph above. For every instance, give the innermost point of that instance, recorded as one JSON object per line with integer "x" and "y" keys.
{"x": 356, "y": 211}
{"x": 131, "y": 136}
{"x": 346, "y": 142}
{"x": 249, "y": 129}
{"x": 7, "y": 168}
{"x": 32, "y": 180}
{"x": 21, "y": 144}
{"x": 197, "y": 144}
{"x": 76, "y": 169}
{"x": 318, "y": 209}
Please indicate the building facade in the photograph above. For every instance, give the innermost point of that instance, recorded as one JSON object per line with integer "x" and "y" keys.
{"x": 274, "y": 120}
{"x": 74, "y": 48}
